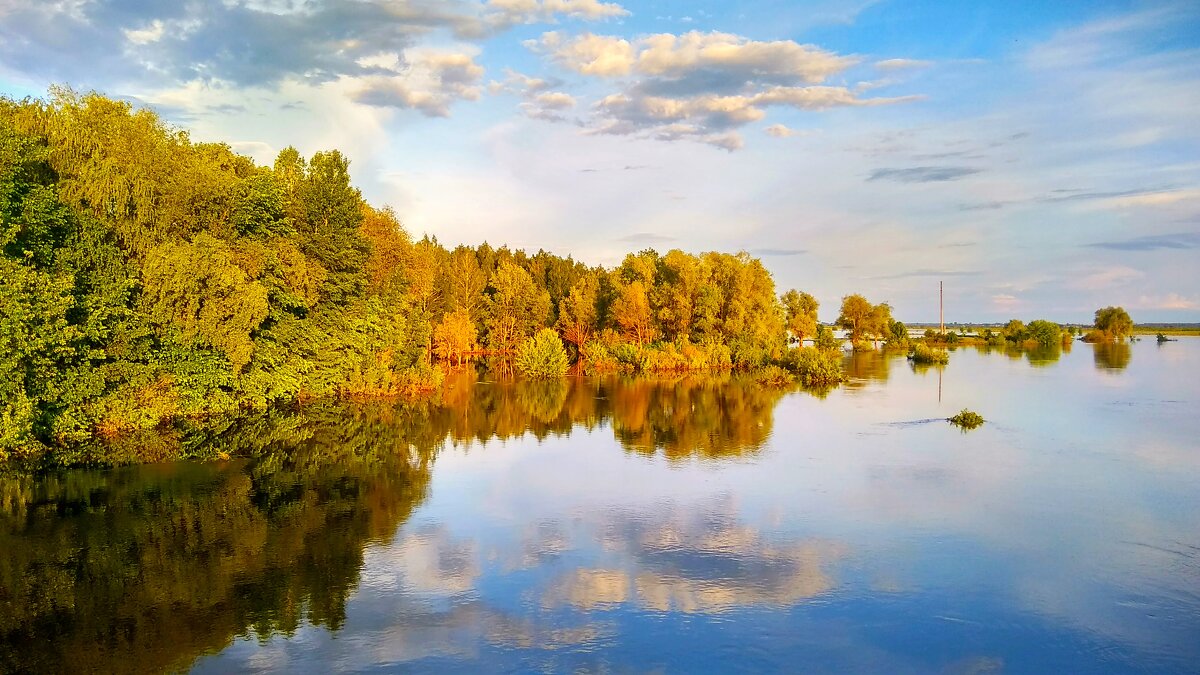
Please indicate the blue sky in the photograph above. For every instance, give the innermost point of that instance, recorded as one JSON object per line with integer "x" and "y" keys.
{"x": 1043, "y": 159}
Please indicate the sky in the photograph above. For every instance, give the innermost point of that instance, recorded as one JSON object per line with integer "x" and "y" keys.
{"x": 1041, "y": 159}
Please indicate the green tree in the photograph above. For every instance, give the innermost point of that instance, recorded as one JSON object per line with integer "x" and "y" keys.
{"x": 542, "y": 355}
{"x": 197, "y": 288}
{"x": 516, "y": 307}
{"x": 1114, "y": 322}
{"x": 1045, "y": 333}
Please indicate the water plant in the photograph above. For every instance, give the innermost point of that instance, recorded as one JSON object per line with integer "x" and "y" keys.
{"x": 966, "y": 420}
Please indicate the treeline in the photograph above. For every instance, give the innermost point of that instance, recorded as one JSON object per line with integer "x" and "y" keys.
{"x": 149, "y": 277}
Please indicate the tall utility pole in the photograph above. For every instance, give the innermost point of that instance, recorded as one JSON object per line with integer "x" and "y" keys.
{"x": 941, "y": 309}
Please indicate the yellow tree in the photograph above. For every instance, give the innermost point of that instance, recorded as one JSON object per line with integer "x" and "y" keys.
{"x": 631, "y": 311}
{"x": 855, "y": 316}
{"x": 577, "y": 311}
{"x": 801, "y": 313}
{"x": 880, "y": 321}
{"x": 454, "y": 337}
{"x": 391, "y": 247}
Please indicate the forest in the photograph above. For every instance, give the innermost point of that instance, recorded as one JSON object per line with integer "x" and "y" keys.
{"x": 148, "y": 277}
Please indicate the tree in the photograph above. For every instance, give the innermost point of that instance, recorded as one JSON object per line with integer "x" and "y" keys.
{"x": 1045, "y": 333}
{"x": 454, "y": 337}
{"x": 880, "y": 322}
{"x": 516, "y": 307}
{"x": 542, "y": 356}
{"x": 391, "y": 249}
{"x": 1015, "y": 331}
{"x": 198, "y": 289}
{"x": 631, "y": 311}
{"x": 856, "y": 316}
{"x": 577, "y": 311}
{"x": 801, "y": 314}
{"x": 1114, "y": 322}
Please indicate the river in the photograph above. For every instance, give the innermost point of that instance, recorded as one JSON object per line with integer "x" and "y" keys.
{"x": 689, "y": 524}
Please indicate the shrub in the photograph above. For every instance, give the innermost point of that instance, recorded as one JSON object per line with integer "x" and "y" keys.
{"x": 1045, "y": 333}
{"x": 542, "y": 355}
{"x": 597, "y": 358}
{"x": 814, "y": 367}
{"x": 826, "y": 340}
{"x": 966, "y": 419}
{"x": 773, "y": 376}
{"x": 923, "y": 353}
{"x": 952, "y": 338}
{"x": 629, "y": 356}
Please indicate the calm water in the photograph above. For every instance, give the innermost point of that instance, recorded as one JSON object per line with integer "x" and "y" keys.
{"x": 683, "y": 525}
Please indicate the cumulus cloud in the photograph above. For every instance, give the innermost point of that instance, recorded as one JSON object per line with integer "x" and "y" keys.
{"x": 428, "y": 81}
{"x": 539, "y": 101}
{"x": 264, "y": 42}
{"x": 701, "y": 86}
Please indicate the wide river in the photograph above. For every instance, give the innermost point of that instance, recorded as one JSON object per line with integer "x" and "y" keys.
{"x": 696, "y": 524}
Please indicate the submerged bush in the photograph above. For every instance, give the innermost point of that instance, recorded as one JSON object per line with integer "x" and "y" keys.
{"x": 773, "y": 376}
{"x": 923, "y": 353}
{"x": 542, "y": 355}
{"x": 966, "y": 419}
{"x": 814, "y": 367}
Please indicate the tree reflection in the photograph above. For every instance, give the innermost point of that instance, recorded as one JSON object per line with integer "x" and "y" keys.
{"x": 692, "y": 416}
{"x": 869, "y": 365}
{"x": 1112, "y": 355}
{"x": 144, "y": 568}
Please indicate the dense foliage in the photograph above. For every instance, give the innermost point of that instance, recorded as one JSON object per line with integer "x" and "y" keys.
{"x": 149, "y": 277}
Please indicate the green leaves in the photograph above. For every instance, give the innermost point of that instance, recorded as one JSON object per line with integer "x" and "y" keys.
{"x": 198, "y": 289}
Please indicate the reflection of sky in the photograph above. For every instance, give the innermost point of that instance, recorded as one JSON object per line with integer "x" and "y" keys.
{"x": 1064, "y": 535}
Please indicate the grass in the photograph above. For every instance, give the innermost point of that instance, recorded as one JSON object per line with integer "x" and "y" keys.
{"x": 966, "y": 420}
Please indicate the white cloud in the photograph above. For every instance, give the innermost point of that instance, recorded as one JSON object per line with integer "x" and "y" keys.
{"x": 668, "y": 55}
{"x": 780, "y": 131}
{"x": 588, "y": 54}
{"x": 1005, "y": 302}
{"x": 153, "y": 32}
{"x": 555, "y": 100}
{"x": 1104, "y": 279}
{"x": 530, "y": 11}
{"x": 1161, "y": 198}
{"x": 901, "y": 64}
{"x": 1170, "y": 301}
{"x": 425, "y": 80}
{"x": 701, "y": 86}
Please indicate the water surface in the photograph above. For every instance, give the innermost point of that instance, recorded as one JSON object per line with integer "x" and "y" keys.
{"x": 693, "y": 524}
